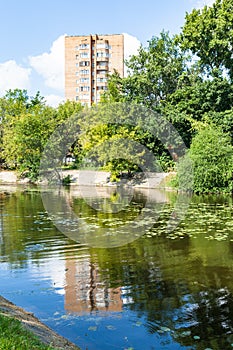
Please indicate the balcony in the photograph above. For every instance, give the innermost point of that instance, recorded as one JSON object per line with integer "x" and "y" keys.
{"x": 101, "y": 65}
{"x": 102, "y": 56}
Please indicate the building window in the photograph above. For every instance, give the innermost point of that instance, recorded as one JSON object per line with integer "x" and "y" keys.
{"x": 103, "y": 63}
{"x": 84, "y": 46}
{"x": 102, "y": 88}
{"x": 84, "y": 71}
{"x": 76, "y": 98}
{"x": 76, "y": 73}
{"x": 77, "y": 89}
{"x": 84, "y": 63}
{"x": 84, "y": 54}
{"x": 101, "y": 80}
{"x": 102, "y": 46}
{"x": 77, "y": 57}
{"x": 102, "y": 72}
{"x": 102, "y": 54}
{"x": 85, "y": 97}
{"x": 84, "y": 80}
{"x": 84, "y": 88}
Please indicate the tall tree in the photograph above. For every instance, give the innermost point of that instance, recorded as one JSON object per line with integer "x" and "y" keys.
{"x": 153, "y": 73}
{"x": 27, "y": 123}
{"x": 208, "y": 33}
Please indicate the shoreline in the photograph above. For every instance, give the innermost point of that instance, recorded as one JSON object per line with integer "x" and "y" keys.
{"x": 45, "y": 334}
{"x": 92, "y": 178}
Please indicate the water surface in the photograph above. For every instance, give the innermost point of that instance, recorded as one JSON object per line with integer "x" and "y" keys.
{"x": 160, "y": 291}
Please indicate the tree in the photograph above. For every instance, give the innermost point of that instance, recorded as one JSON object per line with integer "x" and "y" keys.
{"x": 211, "y": 155}
{"x": 12, "y": 106}
{"x": 208, "y": 33}
{"x": 27, "y": 124}
{"x": 24, "y": 140}
{"x": 198, "y": 100}
{"x": 108, "y": 139}
{"x": 153, "y": 73}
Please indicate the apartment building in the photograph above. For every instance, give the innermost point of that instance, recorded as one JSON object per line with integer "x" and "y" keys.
{"x": 89, "y": 60}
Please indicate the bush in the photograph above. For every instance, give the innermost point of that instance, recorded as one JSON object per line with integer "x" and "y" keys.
{"x": 66, "y": 181}
{"x": 212, "y": 159}
{"x": 185, "y": 174}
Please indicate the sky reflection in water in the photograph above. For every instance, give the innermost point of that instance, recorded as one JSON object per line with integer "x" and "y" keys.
{"x": 157, "y": 292}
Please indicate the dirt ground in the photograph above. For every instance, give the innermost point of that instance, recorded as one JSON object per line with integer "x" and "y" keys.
{"x": 30, "y": 322}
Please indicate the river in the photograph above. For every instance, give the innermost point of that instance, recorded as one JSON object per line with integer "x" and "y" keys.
{"x": 153, "y": 289}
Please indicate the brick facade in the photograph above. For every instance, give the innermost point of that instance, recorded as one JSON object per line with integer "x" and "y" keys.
{"x": 88, "y": 62}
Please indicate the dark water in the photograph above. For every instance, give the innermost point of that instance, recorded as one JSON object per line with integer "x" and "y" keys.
{"x": 160, "y": 291}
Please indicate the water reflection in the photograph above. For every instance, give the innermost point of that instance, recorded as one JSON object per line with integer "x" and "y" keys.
{"x": 114, "y": 217}
{"x": 85, "y": 292}
{"x": 153, "y": 293}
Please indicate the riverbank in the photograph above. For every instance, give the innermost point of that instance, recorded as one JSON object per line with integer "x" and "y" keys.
{"x": 95, "y": 178}
{"x": 35, "y": 326}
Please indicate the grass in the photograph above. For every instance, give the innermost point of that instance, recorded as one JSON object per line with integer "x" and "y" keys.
{"x": 13, "y": 336}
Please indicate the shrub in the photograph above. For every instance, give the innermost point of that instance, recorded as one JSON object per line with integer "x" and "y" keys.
{"x": 212, "y": 159}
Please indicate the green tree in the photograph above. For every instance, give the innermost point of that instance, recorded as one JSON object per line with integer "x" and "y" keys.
{"x": 208, "y": 33}
{"x": 199, "y": 100}
{"x": 23, "y": 142}
{"x": 153, "y": 73}
{"x": 107, "y": 138}
{"x": 211, "y": 155}
{"x": 27, "y": 123}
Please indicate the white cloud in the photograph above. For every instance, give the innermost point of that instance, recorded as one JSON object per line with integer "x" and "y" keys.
{"x": 54, "y": 100}
{"x": 131, "y": 46}
{"x": 55, "y": 275}
{"x": 50, "y": 65}
{"x": 13, "y": 76}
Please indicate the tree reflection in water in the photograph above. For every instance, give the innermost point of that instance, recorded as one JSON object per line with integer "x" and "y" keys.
{"x": 182, "y": 287}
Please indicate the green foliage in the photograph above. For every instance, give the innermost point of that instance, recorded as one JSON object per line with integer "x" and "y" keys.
{"x": 121, "y": 137}
{"x": 66, "y": 180}
{"x": 66, "y": 110}
{"x": 114, "y": 92}
{"x": 24, "y": 139}
{"x": 211, "y": 155}
{"x": 224, "y": 120}
{"x": 111, "y": 145}
{"x": 153, "y": 73}
{"x": 208, "y": 33}
{"x": 197, "y": 100}
{"x": 185, "y": 177}
{"x": 27, "y": 124}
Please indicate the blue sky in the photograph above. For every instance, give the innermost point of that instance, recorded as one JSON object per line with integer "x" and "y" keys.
{"x": 32, "y": 32}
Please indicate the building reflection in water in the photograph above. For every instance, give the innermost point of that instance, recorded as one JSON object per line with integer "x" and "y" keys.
{"x": 85, "y": 292}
